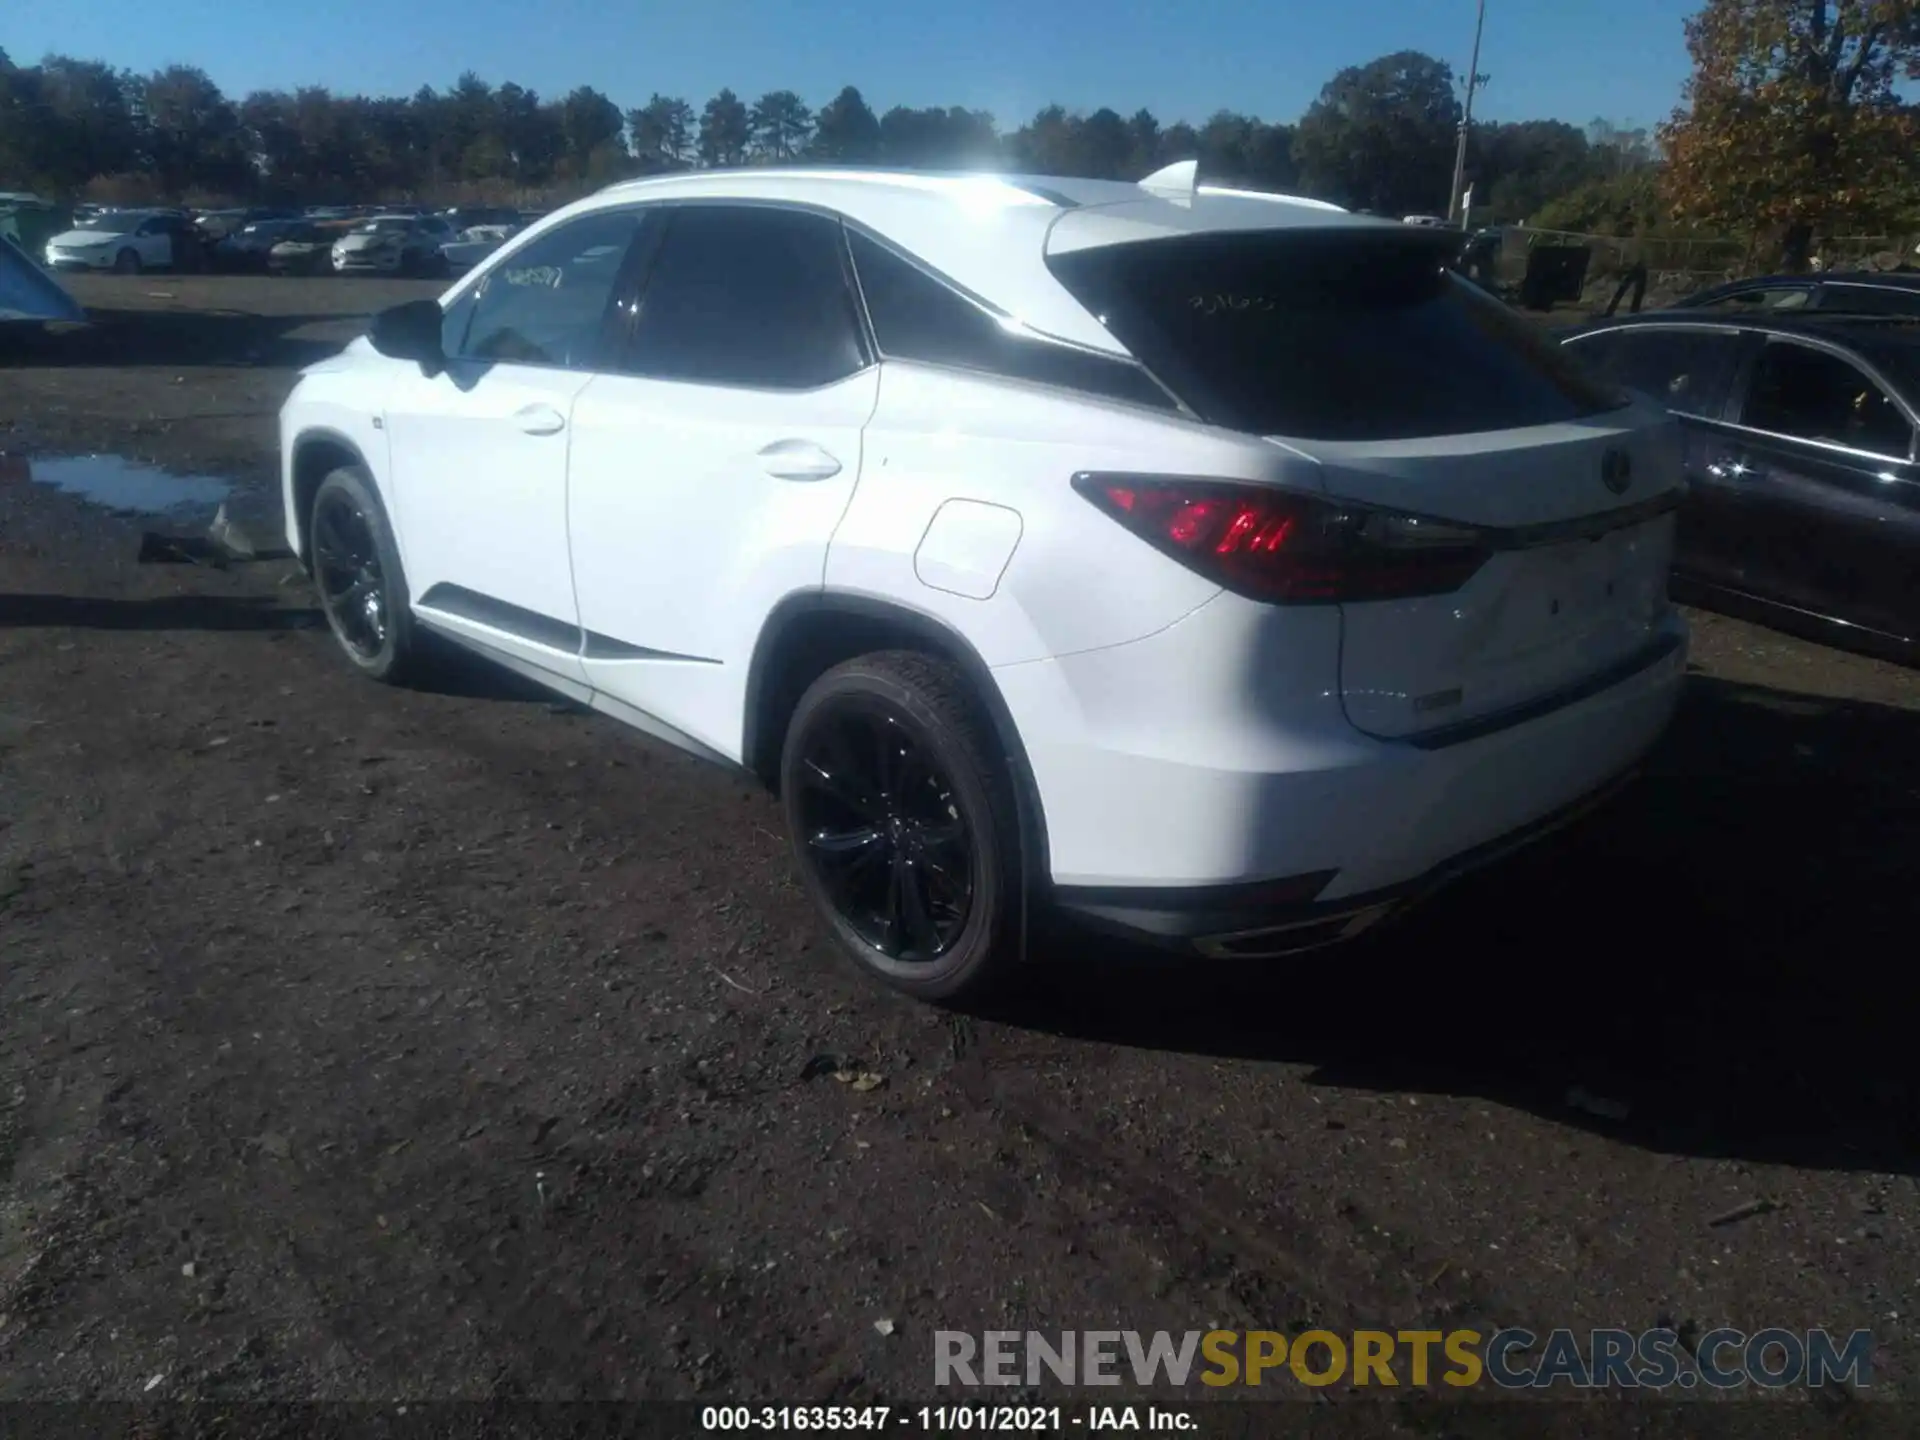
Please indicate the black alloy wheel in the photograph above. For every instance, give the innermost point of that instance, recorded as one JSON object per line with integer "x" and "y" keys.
{"x": 905, "y": 824}
{"x": 346, "y": 564}
{"x": 356, "y": 569}
{"x": 884, "y": 833}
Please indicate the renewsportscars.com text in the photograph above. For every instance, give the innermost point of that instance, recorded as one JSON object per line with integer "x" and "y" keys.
{"x": 1512, "y": 1359}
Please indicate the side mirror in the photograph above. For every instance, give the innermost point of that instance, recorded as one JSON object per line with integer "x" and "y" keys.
{"x": 410, "y": 332}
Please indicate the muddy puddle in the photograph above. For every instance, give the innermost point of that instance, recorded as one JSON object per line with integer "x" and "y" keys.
{"x": 118, "y": 483}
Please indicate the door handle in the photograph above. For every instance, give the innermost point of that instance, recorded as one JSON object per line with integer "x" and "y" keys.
{"x": 798, "y": 460}
{"x": 540, "y": 420}
{"x": 1730, "y": 470}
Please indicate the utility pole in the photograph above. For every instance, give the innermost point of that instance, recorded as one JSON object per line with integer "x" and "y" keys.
{"x": 1466, "y": 119}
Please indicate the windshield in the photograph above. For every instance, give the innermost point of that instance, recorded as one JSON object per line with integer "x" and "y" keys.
{"x": 389, "y": 226}
{"x": 1336, "y": 335}
{"x": 109, "y": 222}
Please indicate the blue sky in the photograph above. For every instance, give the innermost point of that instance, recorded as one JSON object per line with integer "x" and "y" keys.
{"x": 1565, "y": 59}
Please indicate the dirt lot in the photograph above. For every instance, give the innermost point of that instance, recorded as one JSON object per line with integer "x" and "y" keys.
{"x": 372, "y": 1044}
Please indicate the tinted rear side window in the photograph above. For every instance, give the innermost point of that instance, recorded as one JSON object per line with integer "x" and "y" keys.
{"x": 1870, "y": 300}
{"x": 1685, "y": 370}
{"x": 748, "y": 296}
{"x": 916, "y": 317}
{"x": 1331, "y": 336}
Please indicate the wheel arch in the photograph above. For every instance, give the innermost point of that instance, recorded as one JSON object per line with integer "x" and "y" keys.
{"x": 807, "y": 634}
{"x": 317, "y": 453}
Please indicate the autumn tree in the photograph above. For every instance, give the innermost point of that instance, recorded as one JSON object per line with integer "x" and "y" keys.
{"x": 1791, "y": 121}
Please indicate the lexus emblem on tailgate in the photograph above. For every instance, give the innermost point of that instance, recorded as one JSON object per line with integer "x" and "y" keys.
{"x": 1616, "y": 471}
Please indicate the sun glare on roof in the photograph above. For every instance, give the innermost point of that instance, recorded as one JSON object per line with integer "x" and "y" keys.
{"x": 984, "y": 195}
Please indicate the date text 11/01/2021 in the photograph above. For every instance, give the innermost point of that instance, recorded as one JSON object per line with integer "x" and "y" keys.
{"x": 945, "y": 1419}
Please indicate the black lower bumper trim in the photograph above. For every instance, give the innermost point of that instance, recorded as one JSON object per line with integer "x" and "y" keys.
{"x": 1170, "y": 918}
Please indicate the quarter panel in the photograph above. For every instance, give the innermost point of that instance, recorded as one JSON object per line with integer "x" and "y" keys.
{"x": 1077, "y": 580}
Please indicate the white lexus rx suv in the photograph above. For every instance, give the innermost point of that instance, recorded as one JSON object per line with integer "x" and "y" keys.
{"x": 1214, "y": 567}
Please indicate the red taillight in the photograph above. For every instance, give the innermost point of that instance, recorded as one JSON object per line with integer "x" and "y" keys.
{"x": 1281, "y": 546}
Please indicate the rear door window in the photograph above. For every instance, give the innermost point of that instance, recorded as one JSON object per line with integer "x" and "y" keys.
{"x": 1813, "y": 394}
{"x": 1684, "y": 370}
{"x": 748, "y": 296}
{"x": 1335, "y": 335}
{"x": 1870, "y": 300}
{"x": 1764, "y": 297}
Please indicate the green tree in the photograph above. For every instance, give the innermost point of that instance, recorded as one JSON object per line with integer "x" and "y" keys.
{"x": 595, "y": 134}
{"x": 726, "y": 130}
{"x": 847, "y": 130}
{"x": 1381, "y": 135}
{"x": 782, "y": 124}
{"x": 193, "y": 135}
{"x": 1792, "y": 119}
{"x": 661, "y": 133}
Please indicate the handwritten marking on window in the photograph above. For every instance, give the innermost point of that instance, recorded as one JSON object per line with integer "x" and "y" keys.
{"x": 1228, "y": 302}
{"x": 546, "y": 277}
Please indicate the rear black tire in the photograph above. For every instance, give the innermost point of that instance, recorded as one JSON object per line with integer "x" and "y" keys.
{"x": 356, "y": 568}
{"x": 905, "y": 825}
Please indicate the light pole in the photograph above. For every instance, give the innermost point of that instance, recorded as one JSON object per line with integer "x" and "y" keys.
{"x": 1466, "y": 119}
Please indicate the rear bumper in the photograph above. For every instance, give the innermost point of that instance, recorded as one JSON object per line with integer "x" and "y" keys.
{"x": 1223, "y": 925}
{"x": 1179, "y": 775}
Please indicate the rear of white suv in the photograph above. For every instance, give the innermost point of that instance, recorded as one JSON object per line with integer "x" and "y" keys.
{"x": 1222, "y": 570}
{"x": 1432, "y": 620}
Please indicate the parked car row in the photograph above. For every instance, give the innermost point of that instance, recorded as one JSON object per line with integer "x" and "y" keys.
{"x": 341, "y": 240}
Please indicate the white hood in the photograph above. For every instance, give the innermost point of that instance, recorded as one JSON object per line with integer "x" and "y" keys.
{"x": 79, "y": 239}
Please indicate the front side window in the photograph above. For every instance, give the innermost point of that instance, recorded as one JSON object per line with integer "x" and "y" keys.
{"x": 1814, "y": 394}
{"x": 916, "y": 317}
{"x": 748, "y": 296}
{"x": 1330, "y": 335}
{"x": 1684, "y": 370}
{"x": 546, "y": 304}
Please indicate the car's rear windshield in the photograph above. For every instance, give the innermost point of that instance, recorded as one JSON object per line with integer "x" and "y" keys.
{"x": 1336, "y": 335}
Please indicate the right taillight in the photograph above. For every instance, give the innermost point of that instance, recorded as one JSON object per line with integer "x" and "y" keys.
{"x": 1281, "y": 546}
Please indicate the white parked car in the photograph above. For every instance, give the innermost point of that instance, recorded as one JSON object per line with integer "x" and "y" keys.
{"x": 474, "y": 244}
{"x": 393, "y": 245}
{"x": 1216, "y": 567}
{"x": 127, "y": 241}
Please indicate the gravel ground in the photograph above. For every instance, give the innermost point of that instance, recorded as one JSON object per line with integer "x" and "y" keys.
{"x": 371, "y": 1044}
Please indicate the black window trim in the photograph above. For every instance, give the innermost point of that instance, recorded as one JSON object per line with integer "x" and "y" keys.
{"x": 1860, "y": 363}
{"x": 1015, "y": 326}
{"x": 1738, "y": 333}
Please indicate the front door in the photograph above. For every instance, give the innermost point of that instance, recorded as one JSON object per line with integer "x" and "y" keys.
{"x": 709, "y": 473}
{"x": 479, "y": 451}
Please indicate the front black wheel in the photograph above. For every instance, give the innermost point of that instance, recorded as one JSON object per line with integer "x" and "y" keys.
{"x": 356, "y": 567}
{"x": 904, "y": 824}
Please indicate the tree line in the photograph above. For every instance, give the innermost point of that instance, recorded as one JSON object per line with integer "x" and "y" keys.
{"x": 1379, "y": 137}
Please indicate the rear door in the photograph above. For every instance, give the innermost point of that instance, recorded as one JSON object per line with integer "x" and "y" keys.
{"x": 1690, "y": 370}
{"x": 1419, "y": 394}
{"x": 711, "y": 466}
{"x": 1822, "y": 463}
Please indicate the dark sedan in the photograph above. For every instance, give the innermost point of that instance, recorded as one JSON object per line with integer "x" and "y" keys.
{"x": 1862, "y": 292}
{"x": 1803, "y": 488}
